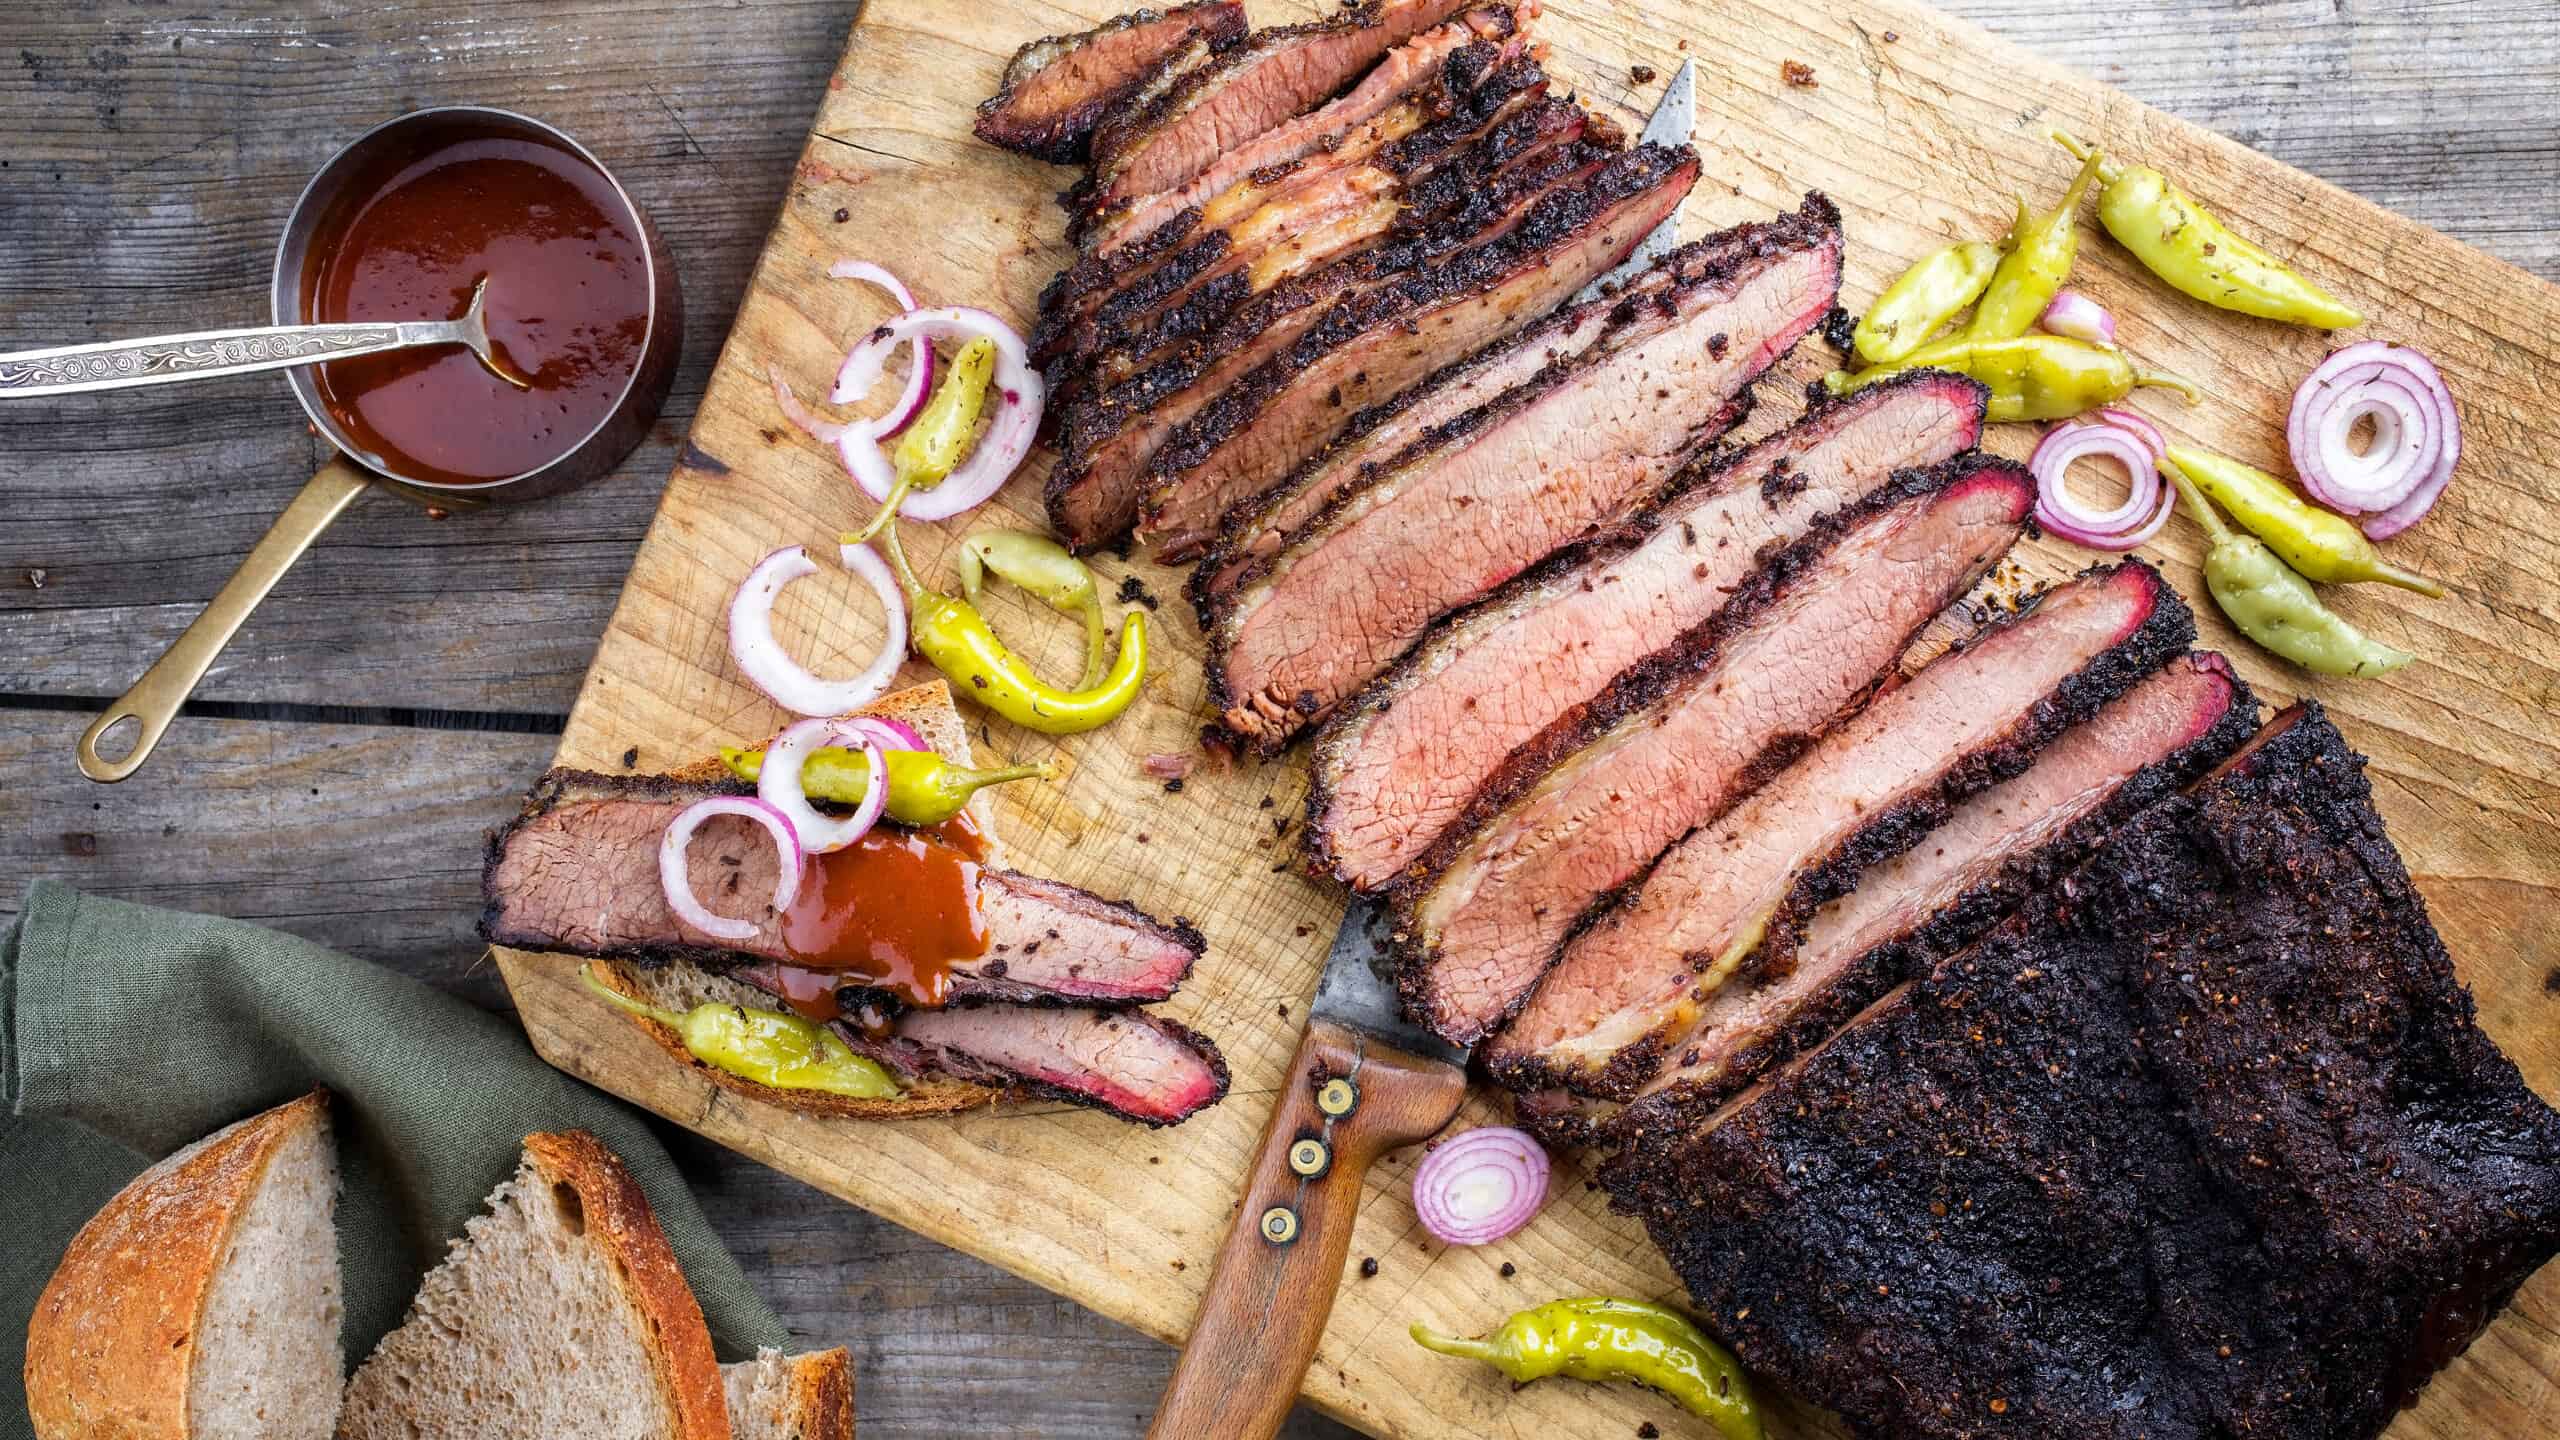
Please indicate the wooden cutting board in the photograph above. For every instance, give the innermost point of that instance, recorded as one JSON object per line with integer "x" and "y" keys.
{"x": 1919, "y": 126}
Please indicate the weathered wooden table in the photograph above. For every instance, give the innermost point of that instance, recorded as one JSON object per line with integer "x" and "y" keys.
{"x": 400, "y": 689}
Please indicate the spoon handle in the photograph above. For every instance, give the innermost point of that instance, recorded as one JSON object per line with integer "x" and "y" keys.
{"x": 163, "y": 358}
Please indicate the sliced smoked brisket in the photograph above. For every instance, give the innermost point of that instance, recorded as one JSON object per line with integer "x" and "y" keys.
{"x": 1629, "y": 992}
{"x": 1404, "y": 758}
{"x": 1136, "y": 1065}
{"x": 1056, "y": 89}
{"x": 1371, "y": 346}
{"x": 577, "y": 873}
{"x": 1676, "y": 740}
{"x": 2204, "y": 1142}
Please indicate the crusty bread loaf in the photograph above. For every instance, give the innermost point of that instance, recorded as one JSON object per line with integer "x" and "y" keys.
{"x": 203, "y": 1302}
{"x": 561, "y": 1313}
{"x": 791, "y": 1397}
{"x": 928, "y": 708}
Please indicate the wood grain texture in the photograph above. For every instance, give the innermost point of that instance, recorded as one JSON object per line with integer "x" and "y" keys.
{"x": 150, "y": 153}
{"x": 2464, "y": 763}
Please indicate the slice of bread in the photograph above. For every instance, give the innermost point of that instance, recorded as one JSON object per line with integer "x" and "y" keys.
{"x": 680, "y": 987}
{"x": 561, "y": 1314}
{"x": 791, "y": 1397}
{"x": 203, "y": 1302}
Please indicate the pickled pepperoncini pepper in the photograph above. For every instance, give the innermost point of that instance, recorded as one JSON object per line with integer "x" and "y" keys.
{"x": 2319, "y": 545}
{"x": 958, "y": 641}
{"x": 2272, "y": 605}
{"x": 1601, "y": 1339}
{"x": 1046, "y": 569}
{"x": 2184, "y": 244}
{"x": 2041, "y": 249}
{"x": 934, "y": 443}
{"x": 765, "y": 1046}
{"x": 1929, "y": 294}
{"x": 2030, "y": 377}
{"x": 924, "y": 788}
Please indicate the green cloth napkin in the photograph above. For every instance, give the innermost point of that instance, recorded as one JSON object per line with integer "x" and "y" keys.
{"x": 128, "y": 1031}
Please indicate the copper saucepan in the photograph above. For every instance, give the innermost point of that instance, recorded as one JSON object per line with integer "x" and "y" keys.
{"x": 155, "y": 698}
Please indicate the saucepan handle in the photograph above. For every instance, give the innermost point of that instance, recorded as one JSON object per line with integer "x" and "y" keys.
{"x": 154, "y": 699}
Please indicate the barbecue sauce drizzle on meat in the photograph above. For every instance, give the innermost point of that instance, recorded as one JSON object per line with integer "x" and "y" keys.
{"x": 890, "y": 912}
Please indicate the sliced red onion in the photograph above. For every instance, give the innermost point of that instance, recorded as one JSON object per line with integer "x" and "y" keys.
{"x": 902, "y": 736}
{"x": 1018, "y": 395}
{"x": 2079, "y": 317}
{"x": 674, "y": 870}
{"x": 1480, "y": 1186}
{"x": 920, "y": 370}
{"x": 2417, "y": 435}
{"x": 2129, "y": 440}
{"x": 822, "y": 430}
{"x": 772, "y": 670}
{"x": 778, "y": 783}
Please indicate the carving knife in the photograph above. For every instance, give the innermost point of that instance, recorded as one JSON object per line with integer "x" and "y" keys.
{"x": 1364, "y": 1081}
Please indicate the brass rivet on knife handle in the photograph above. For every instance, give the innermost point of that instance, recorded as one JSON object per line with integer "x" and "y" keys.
{"x": 1279, "y": 1224}
{"x": 1338, "y": 1098}
{"x": 1310, "y": 1158}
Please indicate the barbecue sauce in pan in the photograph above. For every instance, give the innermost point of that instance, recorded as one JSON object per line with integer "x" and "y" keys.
{"x": 891, "y": 911}
{"x": 567, "y": 304}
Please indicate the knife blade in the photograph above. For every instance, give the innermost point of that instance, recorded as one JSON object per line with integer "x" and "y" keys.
{"x": 1365, "y": 1080}
{"x": 1673, "y": 121}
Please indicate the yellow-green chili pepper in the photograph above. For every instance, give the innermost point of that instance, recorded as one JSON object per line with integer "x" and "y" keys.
{"x": 1601, "y": 1339}
{"x": 934, "y": 442}
{"x": 1048, "y": 570}
{"x": 2275, "y": 607}
{"x": 2041, "y": 249}
{"x": 766, "y": 1046}
{"x": 924, "y": 788}
{"x": 958, "y": 641}
{"x": 2319, "y": 545}
{"x": 2186, "y": 245}
{"x": 2030, "y": 377}
{"x": 1929, "y": 294}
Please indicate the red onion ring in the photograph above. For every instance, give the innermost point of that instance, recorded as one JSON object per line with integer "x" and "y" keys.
{"x": 903, "y": 736}
{"x": 1480, "y": 1186}
{"x": 675, "y": 879}
{"x": 822, "y": 430}
{"x": 919, "y": 373}
{"x": 2079, "y": 317}
{"x": 2417, "y": 435}
{"x": 2119, "y": 435}
{"x": 778, "y": 783}
{"x": 771, "y": 669}
{"x": 1019, "y": 392}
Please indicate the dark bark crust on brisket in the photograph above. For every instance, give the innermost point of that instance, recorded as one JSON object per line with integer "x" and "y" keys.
{"x": 1059, "y": 133}
{"x": 2205, "y": 1141}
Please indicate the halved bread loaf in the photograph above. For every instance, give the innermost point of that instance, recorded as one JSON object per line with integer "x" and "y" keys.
{"x": 203, "y": 1302}
{"x": 561, "y": 1313}
{"x": 791, "y": 1397}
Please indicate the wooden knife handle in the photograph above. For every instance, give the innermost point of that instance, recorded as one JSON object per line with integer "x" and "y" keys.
{"x": 1346, "y": 1100}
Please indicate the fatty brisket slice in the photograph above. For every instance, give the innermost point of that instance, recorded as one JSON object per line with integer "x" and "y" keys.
{"x": 1057, "y": 88}
{"x": 1678, "y": 738}
{"x": 577, "y": 873}
{"x": 1405, "y": 756}
{"x": 1131, "y": 1063}
{"x": 2204, "y": 1142}
{"x": 1630, "y": 991}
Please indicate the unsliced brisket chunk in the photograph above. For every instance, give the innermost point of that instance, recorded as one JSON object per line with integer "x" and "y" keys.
{"x": 577, "y": 873}
{"x": 1251, "y": 89}
{"x": 2204, "y": 1142}
{"x": 1673, "y": 742}
{"x": 1056, "y": 89}
{"x": 1107, "y": 440}
{"x": 1373, "y": 345}
{"x": 1136, "y": 1065}
{"x": 1405, "y": 756}
{"x": 1963, "y": 877}
{"x": 1629, "y": 991}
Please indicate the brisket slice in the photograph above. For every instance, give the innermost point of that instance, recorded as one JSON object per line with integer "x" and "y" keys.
{"x": 577, "y": 873}
{"x": 1408, "y": 68}
{"x": 1940, "y": 895}
{"x": 2204, "y": 1142}
{"x": 1128, "y": 1062}
{"x": 1056, "y": 89}
{"x": 1371, "y": 346}
{"x": 1246, "y": 93}
{"x": 1629, "y": 991}
{"x": 1680, "y": 737}
{"x": 1404, "y": 757}
{"x": 1106, "y": 440}
{"x": 1490, "y": 494}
